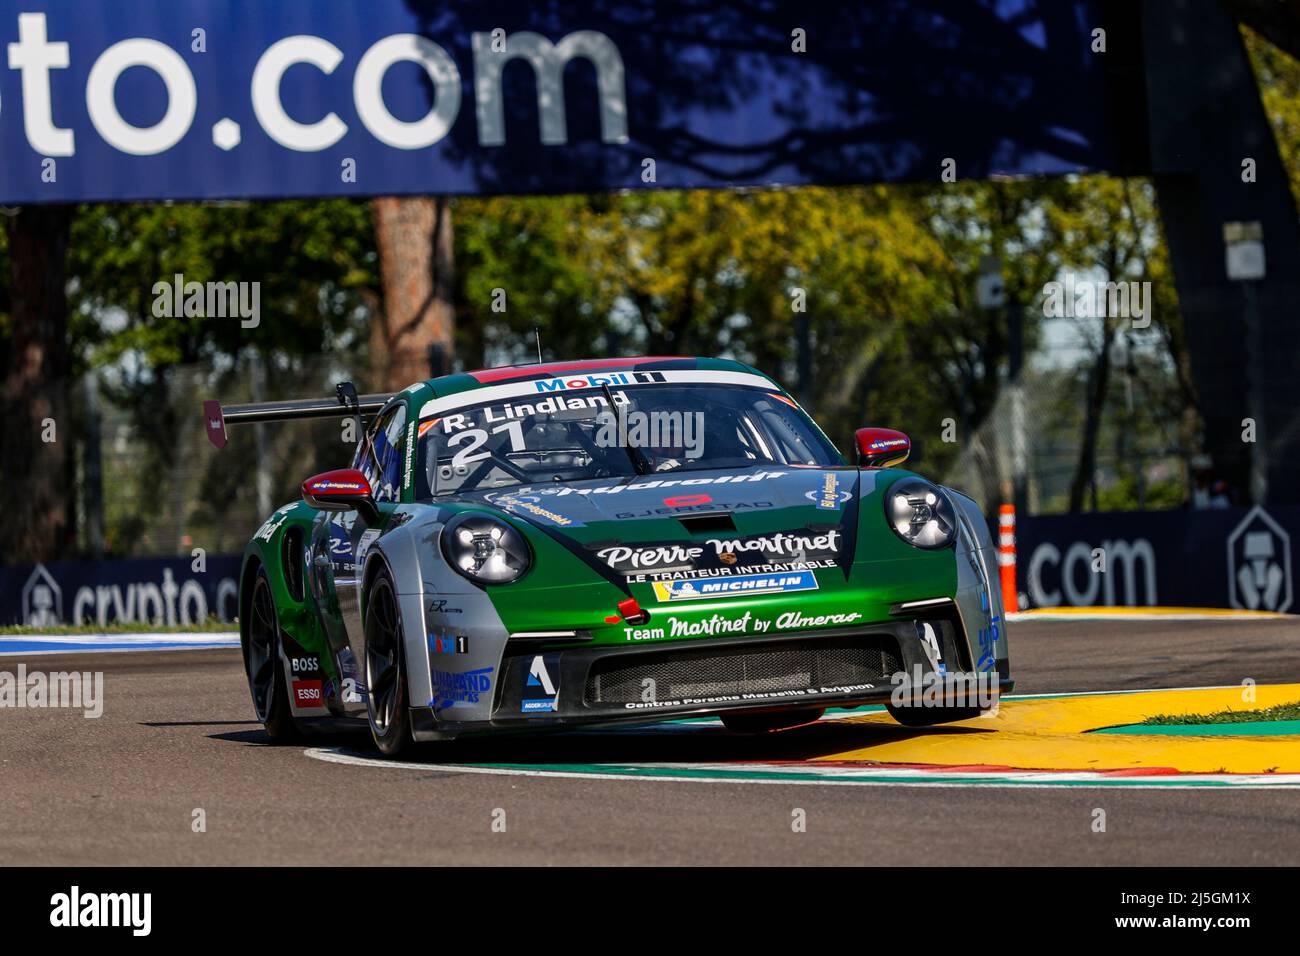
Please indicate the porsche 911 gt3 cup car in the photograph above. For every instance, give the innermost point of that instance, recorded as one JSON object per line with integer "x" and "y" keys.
{"x": 552, "y": 546}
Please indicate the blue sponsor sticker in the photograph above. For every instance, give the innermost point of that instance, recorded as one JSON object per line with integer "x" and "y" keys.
{"x": 883, "y": 444}
{"x": 531, "y": 505}
{"x": 827, "y": 494}
{"x": 451, "y": 689}
{"x": 340, "y": 541}
{"x": 542, "y": 688}
{"x": 742, "y": 585}
{"x": 988, "y": 639}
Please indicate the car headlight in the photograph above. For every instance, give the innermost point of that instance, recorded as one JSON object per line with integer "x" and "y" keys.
{"x": 485, "y": 549}
{"x": 921, "y": 513}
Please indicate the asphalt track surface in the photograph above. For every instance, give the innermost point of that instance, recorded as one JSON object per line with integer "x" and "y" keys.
{"x": 177, "y": 735}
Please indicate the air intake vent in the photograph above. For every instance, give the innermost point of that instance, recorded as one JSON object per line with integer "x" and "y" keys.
{"x": 710, "y": 522}
{"x": 710, "y": 672}
{"x": 293, "y": 563}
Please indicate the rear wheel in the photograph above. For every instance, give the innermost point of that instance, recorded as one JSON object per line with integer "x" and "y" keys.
{"x": 264, "y": 666}
{"x": 742, "y": 723}
{"x": 386, "y": 699}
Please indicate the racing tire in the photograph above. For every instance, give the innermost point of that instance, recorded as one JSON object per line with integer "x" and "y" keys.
{"x": 387, "y": 703}
{"x": 741, "y": 723}
{"x": 264, "y": 665}
{"x": 931, "y": 716}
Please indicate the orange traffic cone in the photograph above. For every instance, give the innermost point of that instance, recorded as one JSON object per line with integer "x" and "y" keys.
{"x": 1007, "y": 557}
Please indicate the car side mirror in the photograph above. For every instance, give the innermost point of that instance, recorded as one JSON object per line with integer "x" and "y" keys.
{"x": 344, "y": 489}
{"x": 881, "y": 447}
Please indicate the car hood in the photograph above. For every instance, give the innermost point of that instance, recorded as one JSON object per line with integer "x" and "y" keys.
{"x": 730, "y": 517}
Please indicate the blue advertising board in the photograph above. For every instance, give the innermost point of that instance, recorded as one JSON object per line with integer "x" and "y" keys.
{"x": 160, "y": 591}
{"x": 203, "y": 99}
{"x": 1229, "y": 558}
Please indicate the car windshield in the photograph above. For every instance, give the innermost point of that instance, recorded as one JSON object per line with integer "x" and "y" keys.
{"x": 572, "y": 435}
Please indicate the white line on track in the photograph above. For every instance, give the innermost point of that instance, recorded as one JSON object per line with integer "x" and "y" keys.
{"x": 13, "y": 645}
{"x": 866, "y": 776}
{"x": 141, "y": 637}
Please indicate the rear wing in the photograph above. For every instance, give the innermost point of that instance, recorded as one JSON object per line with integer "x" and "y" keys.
{"x": 345, "y": 403}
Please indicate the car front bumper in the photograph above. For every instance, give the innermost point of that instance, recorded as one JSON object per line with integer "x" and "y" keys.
{"x": 558, "y": 688}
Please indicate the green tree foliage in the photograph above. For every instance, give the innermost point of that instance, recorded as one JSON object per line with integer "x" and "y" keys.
{"x": 524, "y": 263}
{"x": 885, "y": 277}
{"x": 314, "y": 260}
{"x": 317, "y": 273}
{"x": 1278, "y": 76}
{"x": 730, "y": 274}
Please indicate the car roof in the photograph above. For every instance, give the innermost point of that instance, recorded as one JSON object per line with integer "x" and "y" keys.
{"x": 467, "y": 381}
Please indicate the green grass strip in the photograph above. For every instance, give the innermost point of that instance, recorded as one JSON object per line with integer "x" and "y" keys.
{"x": 1279, "y": 712}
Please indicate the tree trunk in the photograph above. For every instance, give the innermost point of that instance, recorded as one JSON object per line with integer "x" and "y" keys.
{"x": 1098, "y": 382}
{"x": 38, "y": 472}
{"x": 414, "y": 337}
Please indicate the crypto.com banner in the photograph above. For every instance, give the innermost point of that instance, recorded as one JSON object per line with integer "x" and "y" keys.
{"x": 160, "y": 591}
{"x": 1233, "y": 558}
{"x": 184, "y": 99}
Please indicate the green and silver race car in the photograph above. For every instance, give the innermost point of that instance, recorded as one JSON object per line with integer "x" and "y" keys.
{"x": 626, "y": 540}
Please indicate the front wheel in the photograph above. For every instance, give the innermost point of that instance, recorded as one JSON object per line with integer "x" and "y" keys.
{"x": 265, "y": 668}
{"x": 386, "y": 697}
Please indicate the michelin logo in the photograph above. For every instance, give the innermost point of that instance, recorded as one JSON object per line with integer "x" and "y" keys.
{"x": 745, "y": 585}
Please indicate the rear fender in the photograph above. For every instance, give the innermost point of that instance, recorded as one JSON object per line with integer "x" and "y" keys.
{"x": 280, "y": 546}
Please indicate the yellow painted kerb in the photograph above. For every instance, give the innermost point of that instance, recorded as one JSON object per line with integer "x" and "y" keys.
{"x": 1052, "y": 734}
